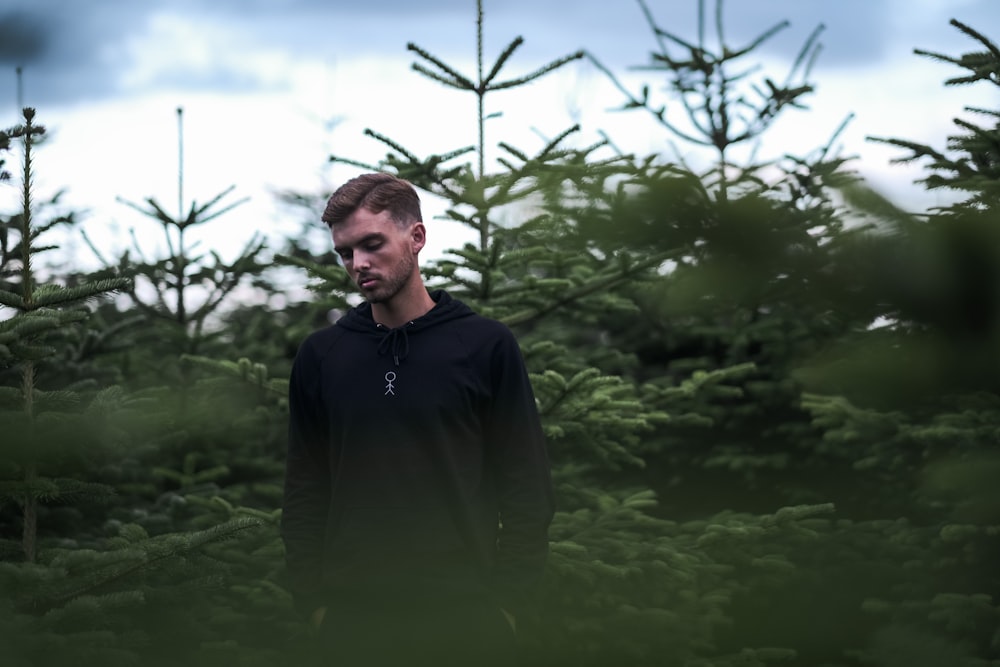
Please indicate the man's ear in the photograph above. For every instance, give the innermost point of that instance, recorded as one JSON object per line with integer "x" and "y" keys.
{"x": 418, "y": 236}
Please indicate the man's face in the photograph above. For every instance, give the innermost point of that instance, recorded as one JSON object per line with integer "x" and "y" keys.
{"x": 379, "y": 255}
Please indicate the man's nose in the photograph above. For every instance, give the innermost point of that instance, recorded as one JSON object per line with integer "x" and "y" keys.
{"x": 361, "y": 261}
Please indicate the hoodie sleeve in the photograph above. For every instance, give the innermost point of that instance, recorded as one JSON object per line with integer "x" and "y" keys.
{"x": 523, "y": 479}
{"x": 307, "y": 483}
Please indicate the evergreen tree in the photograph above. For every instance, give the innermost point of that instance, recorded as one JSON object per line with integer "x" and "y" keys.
{"x": 973, "y": 166}
{"x": 772, "y": 436}
{"x": 78, "y": 586}
{"x": 721, "y": 110}
{"x": 910, "y": 401}
{"x": 36, "y": 420}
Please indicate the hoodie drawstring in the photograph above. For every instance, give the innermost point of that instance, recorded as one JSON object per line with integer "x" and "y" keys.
{"x": 397, "y": 341}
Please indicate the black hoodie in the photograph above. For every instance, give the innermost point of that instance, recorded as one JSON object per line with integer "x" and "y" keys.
{"x": 416, "y": 462}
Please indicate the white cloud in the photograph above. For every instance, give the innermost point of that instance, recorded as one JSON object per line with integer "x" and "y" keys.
{"x": 277, "y": 130}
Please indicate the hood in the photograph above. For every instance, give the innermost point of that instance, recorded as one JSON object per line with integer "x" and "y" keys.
{"x": 396, "y": 341}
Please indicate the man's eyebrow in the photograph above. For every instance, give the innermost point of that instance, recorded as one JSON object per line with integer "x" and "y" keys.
{"x": 374, "y": 236}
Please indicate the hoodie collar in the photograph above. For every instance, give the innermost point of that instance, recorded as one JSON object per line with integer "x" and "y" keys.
{"x": 396, "y": 341}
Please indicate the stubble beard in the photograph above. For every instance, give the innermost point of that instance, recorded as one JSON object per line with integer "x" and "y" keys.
{"x": 393, "y": 283}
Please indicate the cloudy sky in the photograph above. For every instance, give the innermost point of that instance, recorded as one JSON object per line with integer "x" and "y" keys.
{"x": 271, "y": 88}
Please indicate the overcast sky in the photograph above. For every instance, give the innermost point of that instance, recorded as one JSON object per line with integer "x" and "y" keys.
{"x": 271, "y": 88}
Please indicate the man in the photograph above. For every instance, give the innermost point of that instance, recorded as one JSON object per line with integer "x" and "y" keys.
{"x": 417, "y": 494}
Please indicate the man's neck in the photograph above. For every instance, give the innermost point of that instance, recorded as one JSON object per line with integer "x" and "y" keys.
{"x": 405, "y": 307}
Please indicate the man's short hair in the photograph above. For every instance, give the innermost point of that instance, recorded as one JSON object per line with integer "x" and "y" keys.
{"x": 375, "y": 192}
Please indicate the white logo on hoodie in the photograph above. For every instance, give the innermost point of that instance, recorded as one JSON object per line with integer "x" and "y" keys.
{"x": 390, "y": 377}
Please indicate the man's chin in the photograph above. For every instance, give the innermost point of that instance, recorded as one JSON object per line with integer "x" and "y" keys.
{"x": 373, "y": 296}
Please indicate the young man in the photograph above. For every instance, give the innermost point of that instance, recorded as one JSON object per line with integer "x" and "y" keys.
{"x": 417, "y": 493}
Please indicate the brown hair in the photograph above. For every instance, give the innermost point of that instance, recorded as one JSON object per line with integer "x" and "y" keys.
{"x": 375, "y": 192}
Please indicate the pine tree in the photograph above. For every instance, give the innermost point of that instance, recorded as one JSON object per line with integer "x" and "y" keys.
{"x": 186, "y": 290}
{"x": 180, "y": 302}
{"x": 36, "y": 431}
{"x": 910, "y": 402}
{"x": 755, "y": 277}
{"x": 81, "y": 586}
{"x": 720, "y": 109}
{"x": 973, "y": 165}
{"x": 763, "y": 273}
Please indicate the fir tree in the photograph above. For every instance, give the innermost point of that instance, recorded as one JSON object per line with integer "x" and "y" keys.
{"x": 81, "y": 587}
{"x": 720, "y": 108}
{"x": 186, "y": 289}
{"x": 35, "y": 431}
{"x": 755, "y": 277}
{"x": 973, "y": 165}
{"x": 909, "y": 402}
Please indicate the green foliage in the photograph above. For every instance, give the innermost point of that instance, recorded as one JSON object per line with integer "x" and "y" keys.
{"x": 593, "y": 419}
{"x": 975, "y": 170}
{"x": 184, "y": 293}
{"x": 773, "y": 433}
{"x": 40, "y": 423}
{"x": 719, "y": 108}
{"x": 174, "y": 278}
{"x": 109, "y": 566}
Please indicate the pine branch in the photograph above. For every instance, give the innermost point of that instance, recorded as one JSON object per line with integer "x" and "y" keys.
{"x": 456, "y": 81}
{"x": 978, "y": 36}
{"x": 985, "y": 112}
{"x": 660, "y": 32}
{"x": 154, "y": 210}
{"x": 552, "y": 145}
{"x": 393, "y": 145}
{"x": 485, "y": 83}
{"x": 31, "y": 352}
{"x": 633, "y": 103}
{"x": 919, "y": 150}
{"x": 196, "y": 216}
{"x": 531, "y": 314}
{"x": 243, "y": 370}
{"x": 138, "y": 248}
{"x": 763, "y": 37}
{"x": 35, "y": 322}
{"x": 36, "y": 488}
{"x": 520, "y": 155}
{"x": 53, "y": 295}
{"x": 353, "y": 163}
{"x": 93, "y": 248}
{"x": 11, "y": 300}
{"x": 541, "y": 71}
{"x": 810, "y": 47}
{"x": 444, "y": 157}
{"x": 74, "y": 490}
{"x": 657, "y": 33}
{"x": 719, "y": 23}
{"x": 328, "y": 273}
{"x": 417, "y": 67}
{"x": 56, "y": 401}
{"x": 154, "y": 553}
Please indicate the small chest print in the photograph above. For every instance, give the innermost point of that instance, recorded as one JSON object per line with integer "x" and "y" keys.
{"x": 390, "y": 378}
